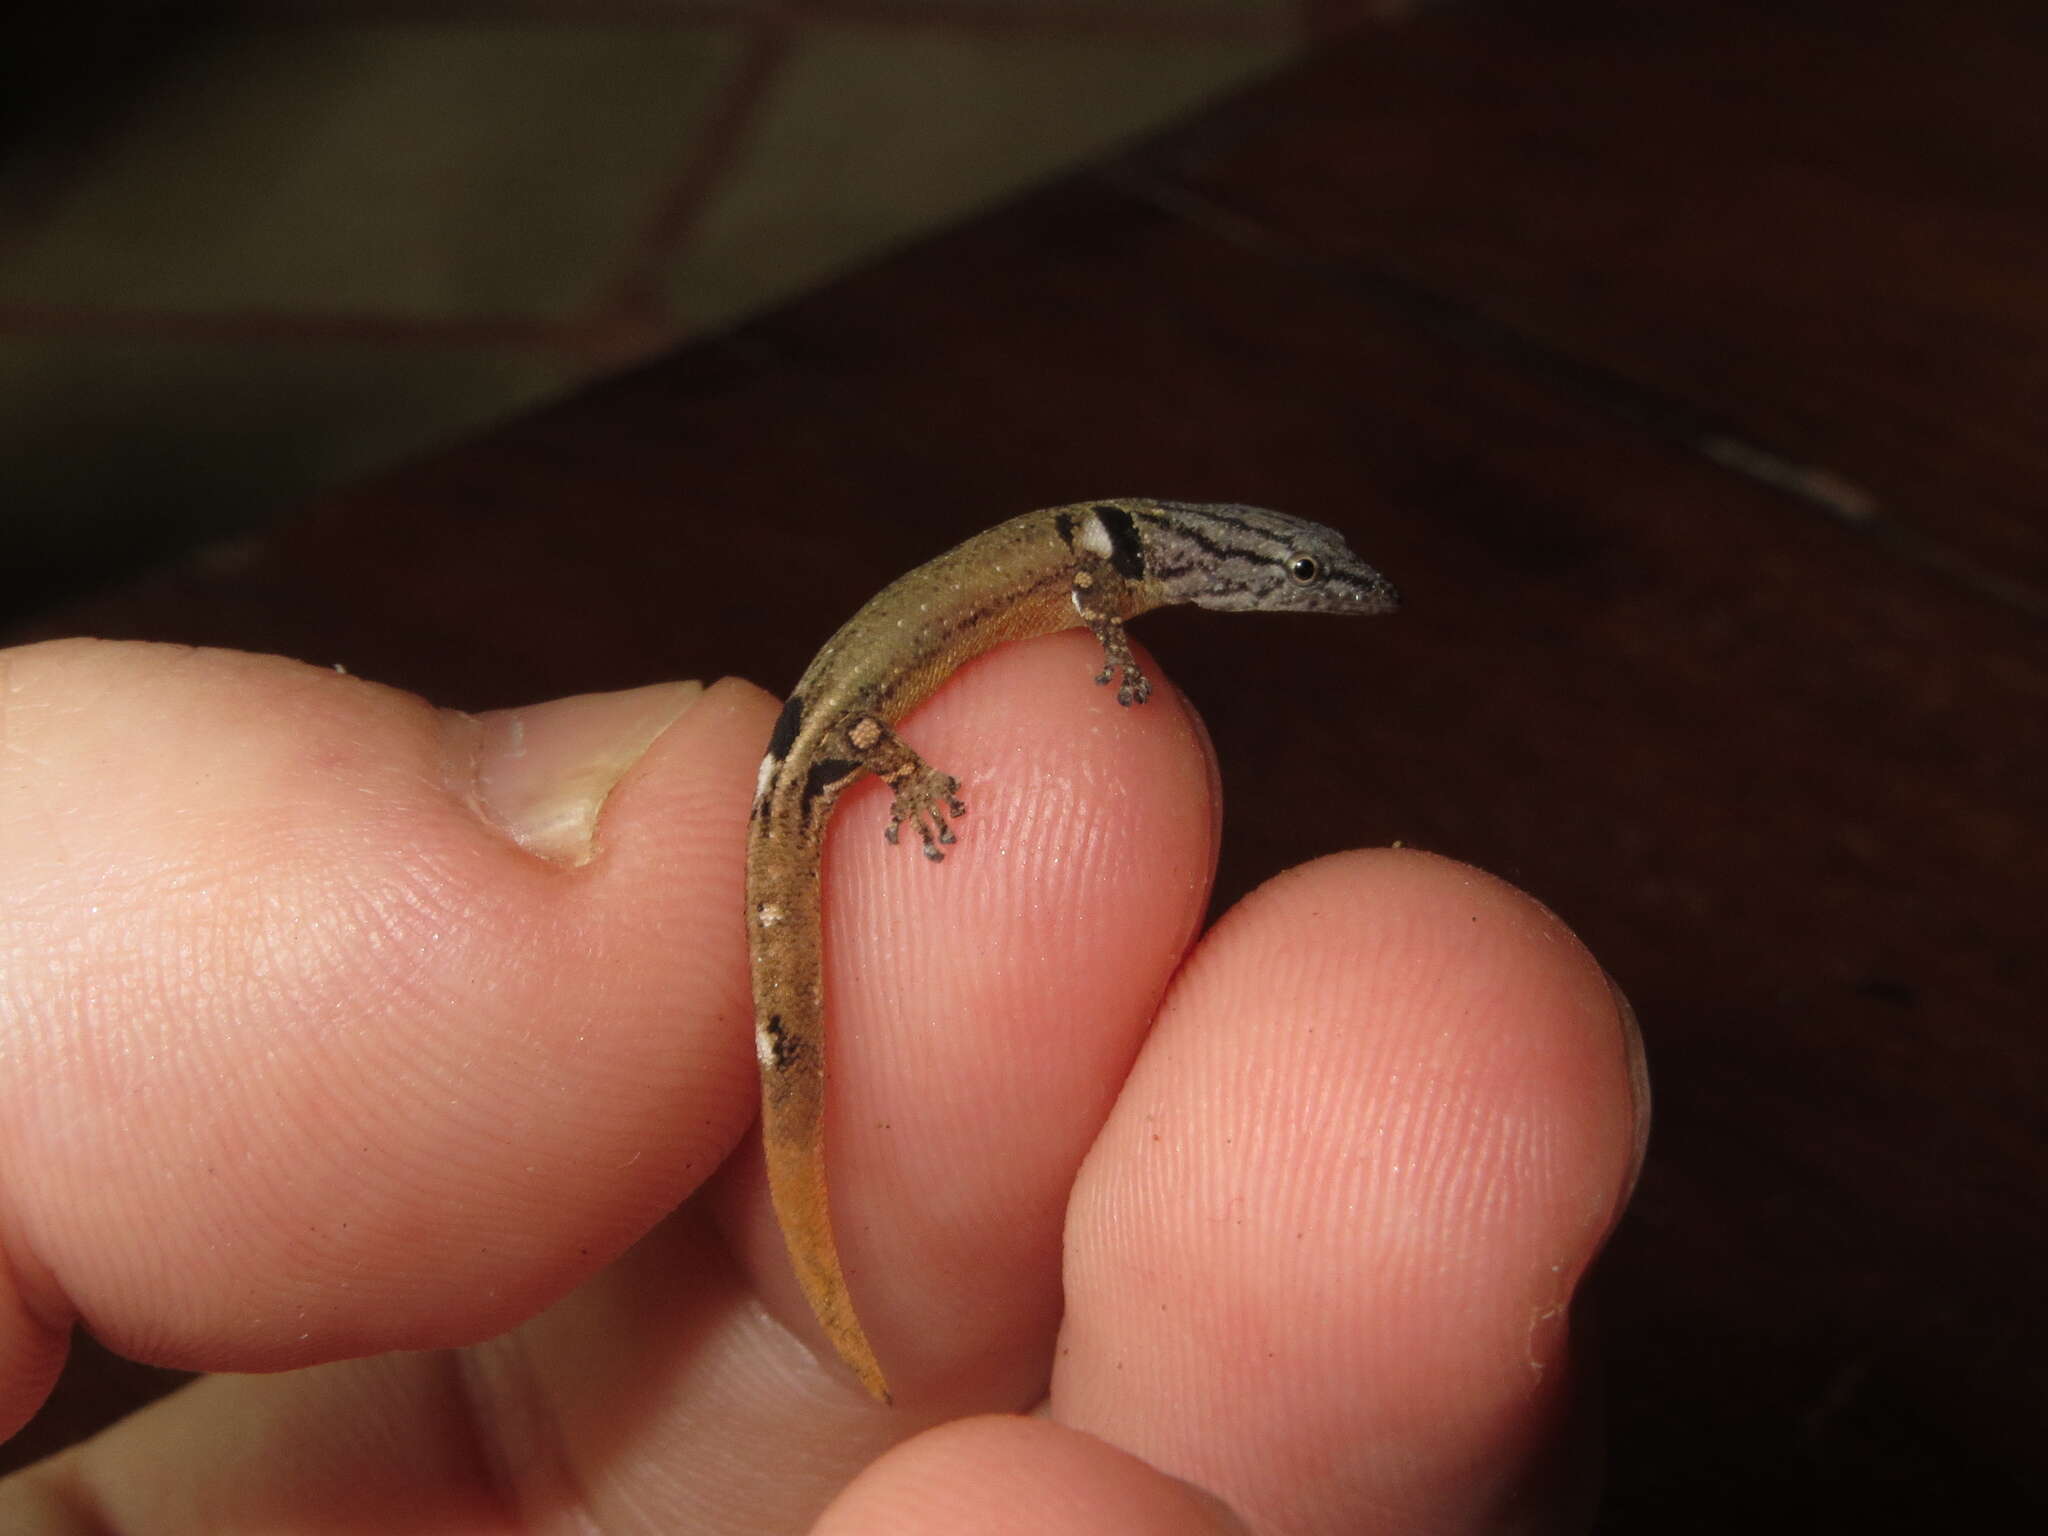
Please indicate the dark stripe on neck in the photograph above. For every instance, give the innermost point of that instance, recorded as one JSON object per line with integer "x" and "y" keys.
{"x": 787, "y": 724}
{"x": 1126, "y": 549}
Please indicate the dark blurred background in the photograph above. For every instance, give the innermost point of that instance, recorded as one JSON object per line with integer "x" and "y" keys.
{"x": 1684, "y": 361}
{"x": 251, "y": 251}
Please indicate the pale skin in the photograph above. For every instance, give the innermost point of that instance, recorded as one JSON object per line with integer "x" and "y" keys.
{"x": 358, "y": 1076}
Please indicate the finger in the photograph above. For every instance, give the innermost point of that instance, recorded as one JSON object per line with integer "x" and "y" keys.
{"x": 378, "y": 1444}
{"x": 997, "y": 1476}
{"x": 624, "y": 1407}
{"x": 385, "y": 1444}
{"x": 306, "y": 1054}
{"x": 981, "y": 1011}
{"x": 1322, "y": 1256}
{"x": 663, "y": 1362}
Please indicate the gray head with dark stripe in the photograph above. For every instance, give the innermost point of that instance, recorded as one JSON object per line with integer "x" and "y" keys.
{"x": 1242, "y": 559}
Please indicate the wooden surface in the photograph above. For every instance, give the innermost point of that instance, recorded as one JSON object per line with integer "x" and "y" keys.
{"x": 1685, "y": 364}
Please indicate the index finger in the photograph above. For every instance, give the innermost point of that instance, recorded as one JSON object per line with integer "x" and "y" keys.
{"x": 982, "y": 1011}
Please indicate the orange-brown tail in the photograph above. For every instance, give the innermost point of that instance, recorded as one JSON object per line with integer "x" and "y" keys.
{"x": 786, "y": 939}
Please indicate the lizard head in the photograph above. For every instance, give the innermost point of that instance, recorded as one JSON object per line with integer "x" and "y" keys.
{"x": 1246, "y": 559}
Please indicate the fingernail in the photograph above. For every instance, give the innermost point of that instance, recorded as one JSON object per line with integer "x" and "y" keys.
{"x": 542, "y": 772}
{"x": 1638, "y": 1082}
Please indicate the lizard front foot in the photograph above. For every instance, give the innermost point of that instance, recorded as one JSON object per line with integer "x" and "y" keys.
{"x": 925, "y": 799}
{"x": 1135, "y": 688}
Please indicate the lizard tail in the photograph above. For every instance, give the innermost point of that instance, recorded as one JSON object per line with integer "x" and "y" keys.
{"x": 796, "y": 1181}
{"x": 789, "y": 1032}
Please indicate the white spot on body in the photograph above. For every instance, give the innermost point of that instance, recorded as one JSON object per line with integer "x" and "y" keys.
{"x": 764, "y": 1045}
{"x": 769, "y": 914}
{"x": 1095, "y": 537}
{"x": 766, "y": 776}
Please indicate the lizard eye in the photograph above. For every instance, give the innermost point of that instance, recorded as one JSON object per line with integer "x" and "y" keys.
{"x": 1305, "y": 569}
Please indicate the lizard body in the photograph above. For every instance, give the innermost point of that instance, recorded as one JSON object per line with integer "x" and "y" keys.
{"x": 1093, "y": 564}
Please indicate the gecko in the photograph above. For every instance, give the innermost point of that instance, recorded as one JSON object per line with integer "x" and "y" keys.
{"x": 1093, "y": 564}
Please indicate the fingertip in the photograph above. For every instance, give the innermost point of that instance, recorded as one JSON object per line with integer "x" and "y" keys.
{"x": 998, "y": 1475}
{"x": 32, "y": 1353}
{"x": 1381, "y": 1129}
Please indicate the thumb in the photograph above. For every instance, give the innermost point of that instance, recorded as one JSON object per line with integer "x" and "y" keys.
{"x": 334, "y": 1023}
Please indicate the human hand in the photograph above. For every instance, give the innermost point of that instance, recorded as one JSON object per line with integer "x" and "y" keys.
{"x": 309, "y": 1067}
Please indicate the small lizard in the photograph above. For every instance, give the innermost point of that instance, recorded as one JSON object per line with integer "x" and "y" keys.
{"x": 1094, "y": 564}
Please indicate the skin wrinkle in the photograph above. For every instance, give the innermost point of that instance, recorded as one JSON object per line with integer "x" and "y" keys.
{"x": 461, "y": 762}
{"x": 39, "y": 1294}
{"x": 498, "y": 1387}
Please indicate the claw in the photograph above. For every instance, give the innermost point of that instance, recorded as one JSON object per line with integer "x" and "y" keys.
{"x": 925, "y": 801}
